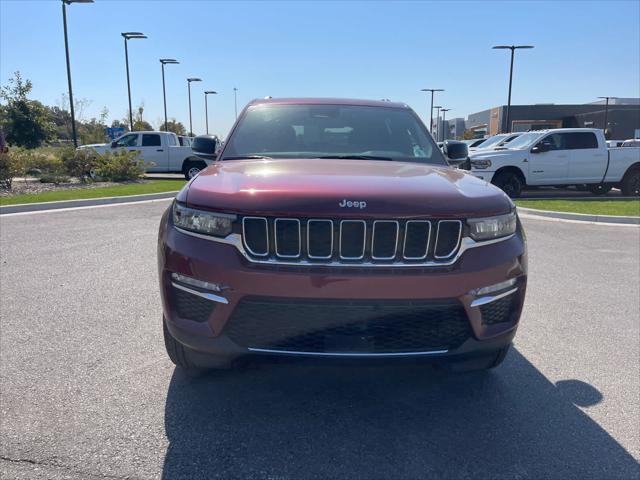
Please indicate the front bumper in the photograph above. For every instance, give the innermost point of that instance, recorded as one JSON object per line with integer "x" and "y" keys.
{"x": 212, "y": 331}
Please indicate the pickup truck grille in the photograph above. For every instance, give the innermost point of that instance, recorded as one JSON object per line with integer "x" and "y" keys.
{"x": 350, "y": 241}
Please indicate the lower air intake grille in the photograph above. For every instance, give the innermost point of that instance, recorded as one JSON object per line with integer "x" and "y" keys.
{"x": 192, "y": 307}
{"x": 498, "y": 311}
{"x": 343, "y": 326}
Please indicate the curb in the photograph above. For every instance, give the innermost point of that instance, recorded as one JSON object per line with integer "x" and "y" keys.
{"x": 88, "y": 202}
{"x": 582, "y": 217}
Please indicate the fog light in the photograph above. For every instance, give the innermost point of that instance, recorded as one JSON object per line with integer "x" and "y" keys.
{"x": 213, "y": 287}
{"x": 478, "y": 292}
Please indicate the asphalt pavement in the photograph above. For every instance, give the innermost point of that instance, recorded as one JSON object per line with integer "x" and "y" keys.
{"x": 87, "y": 392}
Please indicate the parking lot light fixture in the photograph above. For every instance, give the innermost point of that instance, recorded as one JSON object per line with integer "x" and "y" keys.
{"x": 163, "y": 62}
{"x": 513, "y": 48}
{"x": 128, "y": 36}
{"x": 189, "y": 80}
{"x": 606, "y": 113}
{"x": 66, "y": 50}
{"x": 444, "y": 112}
{"x": 437, "y": 135}
{"x": 206, "y": 108}
{"x": 431, "y": 109}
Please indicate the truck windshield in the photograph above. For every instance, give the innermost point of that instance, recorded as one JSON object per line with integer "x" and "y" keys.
{"x": 524, "y": 140}
{"x": 332, "y": 131}
{"x": 491, "y": 141}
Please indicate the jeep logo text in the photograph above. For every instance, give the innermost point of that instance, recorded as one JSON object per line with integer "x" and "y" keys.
{"x": 351, "y": 204}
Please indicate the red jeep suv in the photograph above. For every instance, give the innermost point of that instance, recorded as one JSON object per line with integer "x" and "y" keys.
{"x": 335, "y": 228}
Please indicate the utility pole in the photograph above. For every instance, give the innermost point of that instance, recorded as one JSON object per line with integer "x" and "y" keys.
{"x": 432, "y": 90}
{"x": 513, "y": 48}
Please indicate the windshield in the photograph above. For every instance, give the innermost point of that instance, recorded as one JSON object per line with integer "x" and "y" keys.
{"x": 491, "y": 141}
{"x": 524, "y": 140}
{"x": 332, "y": 131}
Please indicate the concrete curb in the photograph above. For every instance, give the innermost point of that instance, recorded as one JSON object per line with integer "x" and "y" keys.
{"x": 583, "y": 217}
{"x": 89, "y": 202}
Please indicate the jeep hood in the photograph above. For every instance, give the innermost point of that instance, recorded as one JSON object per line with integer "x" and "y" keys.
{"x": 317, "y": 187}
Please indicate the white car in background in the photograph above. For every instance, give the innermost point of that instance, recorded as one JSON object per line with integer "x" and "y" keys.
{"x": 496, "y": 141}
{"x": 160, "y": 151}
{"x": 560, "y": 157}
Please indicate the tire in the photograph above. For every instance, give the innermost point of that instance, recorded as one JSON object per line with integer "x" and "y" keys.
{"x": 509, "y": 182}
{"x": 599, "y": 188}
{"x": 486, "y": 362}
{"x": 191, "y": 168}
{"x": 631, "y": 184}
{"x": 179, "y": 354}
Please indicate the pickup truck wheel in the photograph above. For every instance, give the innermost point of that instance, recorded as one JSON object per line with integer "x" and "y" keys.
{"x": 509, "y": 182}
{"x": 486, "y": 362}
{"x": 599, "y": 188}
{"x": 192, "y": 168}
{"x": 631, "y": 184}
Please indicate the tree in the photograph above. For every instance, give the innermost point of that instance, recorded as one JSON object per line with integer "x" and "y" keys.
{"x": 139, "y": 125}
{"x": 25, "y": 122}
{"x": 174, "y": 126}
{"x": 468, "y": 135}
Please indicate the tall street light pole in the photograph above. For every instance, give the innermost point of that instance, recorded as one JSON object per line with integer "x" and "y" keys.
{"x": 127, "y": 36}
{"x": 206, "y": 107}
{"x": 66, "y": 49}
{"x": 189, "y": 80}
{"x": 235, "y": 100}
{"x": 513, "y": 48}
{"x": 444, "y": 130}
{"x": 165, "y": 61}
{"x": 606, "y": 113}
{"x": 437, "y": 136}
{"x": 431, "y": 109}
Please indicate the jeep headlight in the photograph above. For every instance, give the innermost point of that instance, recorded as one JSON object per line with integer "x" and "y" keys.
{"x": 218, "y": 224}
{"x": 492, "y": 227}
{"x": 480, "y": 163}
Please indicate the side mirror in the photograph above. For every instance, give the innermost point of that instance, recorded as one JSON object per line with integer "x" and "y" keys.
{"x": 454, "y": 150}
{"x": 205, "y": 146}
{"x": 540, "y": 148}
{"x": 466, "y": 165}
{"x": 114, "y": 144}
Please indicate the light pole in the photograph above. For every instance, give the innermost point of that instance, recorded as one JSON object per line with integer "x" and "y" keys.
{"x": 206, "y": 107}
{"x": 235, "y": 100}
{"x": 606, "y": 113}
{"x": 127, "y": 36}
{"x": 189, "y": 80}
{"x": 437, "y": 107}
{"x": 513, "y": 48}
{"x": 431, "y": 110}
{"x": 165, "y": 61}
{"x": 66, "y": 49}
{"x": 444, "y": 132}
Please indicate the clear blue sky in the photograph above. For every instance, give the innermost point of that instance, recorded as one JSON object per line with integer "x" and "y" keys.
{"x": 363, "y": 50}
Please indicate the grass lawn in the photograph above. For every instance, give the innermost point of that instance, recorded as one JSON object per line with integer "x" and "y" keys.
{"x": 153, "y": 186}
{"x": 627, "y": 208}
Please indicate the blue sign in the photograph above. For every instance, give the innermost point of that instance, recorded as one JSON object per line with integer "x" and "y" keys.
{"x": 115, "y": 132}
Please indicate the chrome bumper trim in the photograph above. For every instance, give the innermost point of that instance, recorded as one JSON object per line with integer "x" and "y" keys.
{"x": 492, "y": 298}
{"x": 208, "y": 296}
{"x": 337, "y": 354}
{"x": 235, "y": 240}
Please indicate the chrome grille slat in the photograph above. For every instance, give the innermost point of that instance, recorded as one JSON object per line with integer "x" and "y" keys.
{"x": 323, "y": 241}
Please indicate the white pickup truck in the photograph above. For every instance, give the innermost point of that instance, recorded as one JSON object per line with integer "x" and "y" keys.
{"x": 161, "y": 152}
{"x": 560, "y": 157}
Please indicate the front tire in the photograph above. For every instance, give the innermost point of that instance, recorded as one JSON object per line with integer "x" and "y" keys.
{"x": 485, "y": 362}
{"x": 509, "y": 182}
{"x": 192, "y": 167}
{"x": 631, "y": 184}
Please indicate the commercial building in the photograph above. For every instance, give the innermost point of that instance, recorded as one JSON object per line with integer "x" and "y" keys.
{"x": 623, "y": 118}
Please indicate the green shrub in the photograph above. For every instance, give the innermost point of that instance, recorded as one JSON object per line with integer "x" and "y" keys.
{"x": 80, "y": 163}
{"x": 12, "y": 164}
{"x": 119, "y": 166}
{"x": 55, "y": 178}
{"x": 43, "y": 162}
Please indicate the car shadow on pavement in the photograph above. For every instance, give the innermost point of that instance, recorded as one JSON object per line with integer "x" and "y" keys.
{"x": 282, "y": 421}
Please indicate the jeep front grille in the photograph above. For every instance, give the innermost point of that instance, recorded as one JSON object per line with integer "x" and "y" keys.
{"x": 350, "y": 241}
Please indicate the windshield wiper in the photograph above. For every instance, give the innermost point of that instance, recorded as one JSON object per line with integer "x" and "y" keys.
{"x": 357, "y": 157}
{"x": 248, "y": 157}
